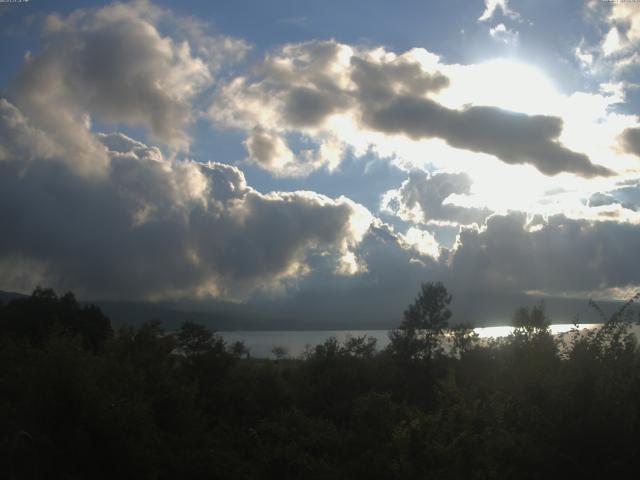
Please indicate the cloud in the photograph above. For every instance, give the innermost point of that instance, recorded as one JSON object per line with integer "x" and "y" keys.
{"x": 270, "y": 152}
{"x": 307, "y": 107}
{"x": 148, "y": 227}
{"x": 630, "y": 140}
{"x": 110, "y": 216}
{"x": 215, "y": 50}
{"x": 585, "y": 56}
{"x": 422, "y": 241}
{"x": 503, "y": 34}
{"x": 381, "y": 80}
{"x": 423, "y": 198}
{"x": 559, "y": 255}
{"x": 514, "y": 138}
{"x": 19, "y": 139}
{"x": 513, "y": 254}
{"x": 612, "y": 42}
{"x": 329, "y": 90}
{"x": 492, "y": 6}
{"x": 624, "y": 32}
{"x": 114, "y": 64}
{"x": 626, "y": 196}
{"x": 615, "y": 51}
{"x": 294, "y": 87}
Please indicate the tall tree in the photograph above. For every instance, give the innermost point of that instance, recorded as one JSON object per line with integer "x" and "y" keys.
{"x": 418, "y": 336}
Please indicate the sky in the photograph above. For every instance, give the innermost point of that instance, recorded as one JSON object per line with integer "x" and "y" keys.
{"x": 320, "y": 156}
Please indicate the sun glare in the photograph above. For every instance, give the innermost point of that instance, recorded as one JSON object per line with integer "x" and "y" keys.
{"x": 504, "y": 83}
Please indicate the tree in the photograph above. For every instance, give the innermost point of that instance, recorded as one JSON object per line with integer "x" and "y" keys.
{"x": 238, "y": 349}
{"x": 418, "y": 336}
{"x": 530, "y": 322}
{"x": 463, "y": 339}
{"x": 43, "y": 314}
{"x": 279, "y": 352}
{"x": 194, "y": 339}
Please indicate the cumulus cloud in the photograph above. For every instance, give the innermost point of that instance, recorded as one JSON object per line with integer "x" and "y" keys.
{"x": 110, "y": 216}
{"x": 322, "y": 89}
{"x": 113, "y": 64}
{"x": 380, "y": 80}
{"x": 423, "y": 198}
{"x": 152, "y": 228}
{"x": 19, "y": 139}
{"x": 297, "y": 86}
{"x": 422, "y": 241}
{"x": 514, "y": 253}
{"x": 270, "y": 152}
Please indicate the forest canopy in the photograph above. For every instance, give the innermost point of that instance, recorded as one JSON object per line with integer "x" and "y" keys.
{"x": 82, "y": 401}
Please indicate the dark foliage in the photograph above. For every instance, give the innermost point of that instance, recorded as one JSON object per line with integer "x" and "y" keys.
{"x": 37, "y": 317}
{"x": 78, "y": 402}
{"x": 424, "y": 321}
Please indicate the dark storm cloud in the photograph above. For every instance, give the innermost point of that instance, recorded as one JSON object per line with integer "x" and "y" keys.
{"x": 564, "y": 255}
{"x": 148, "y": 228}
{"x": 487, "y": 273}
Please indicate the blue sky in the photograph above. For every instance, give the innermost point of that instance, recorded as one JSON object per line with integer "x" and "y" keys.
{"x": 276, "y": 151}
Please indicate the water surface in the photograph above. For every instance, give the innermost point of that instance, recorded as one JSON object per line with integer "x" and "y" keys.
{"x": 261, "y": 343}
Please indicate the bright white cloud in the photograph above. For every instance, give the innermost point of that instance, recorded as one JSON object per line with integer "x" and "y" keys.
{"x": 422, "y": 241}
{"x": 504, "y": 34}
{"x": 492, "y": 6}
{"x": 624, "y": 15}
{"x": 418, "y": 112}
{"x": 374, "y": 99}
{"x": 612, "y": 42}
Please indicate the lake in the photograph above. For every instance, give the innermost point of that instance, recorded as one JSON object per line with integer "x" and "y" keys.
{"x": 295, "y": 343}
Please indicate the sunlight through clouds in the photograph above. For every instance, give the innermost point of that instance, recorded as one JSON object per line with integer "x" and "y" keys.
{"x": 254, "y": 163}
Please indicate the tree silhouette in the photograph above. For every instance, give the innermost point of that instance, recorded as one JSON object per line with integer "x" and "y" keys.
{"x": 424, "y": 322}
{"x": 37, "y": 317}
{"x": 531, "y": 321}
{"x": 194, "y": 339}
